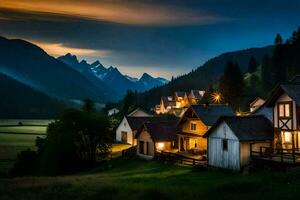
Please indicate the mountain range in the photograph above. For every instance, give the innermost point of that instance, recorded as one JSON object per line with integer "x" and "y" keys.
{"x": 111, "y": 76}
{"x": 58, "y": 82}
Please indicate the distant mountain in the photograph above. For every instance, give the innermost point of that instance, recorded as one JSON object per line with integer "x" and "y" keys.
{"x": 111, "y": 76}
{"x": 30, "y": 65}
{"x": 204, "y": 76}
{"x": 21, "y": 101}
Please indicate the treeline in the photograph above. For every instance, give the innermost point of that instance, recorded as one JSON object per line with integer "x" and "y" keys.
{"x": 238, "y": 76}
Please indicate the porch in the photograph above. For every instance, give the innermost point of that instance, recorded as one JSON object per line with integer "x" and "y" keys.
{"x": 192, "y": 145}
{"x": 284, "y": 156}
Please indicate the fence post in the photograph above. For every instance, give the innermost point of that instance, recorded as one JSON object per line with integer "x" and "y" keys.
{"x": 194, "y": 162}
{"x": 260, "y": 151}
{"x": 281, "y": 152}
{"x": 294, "y": 158}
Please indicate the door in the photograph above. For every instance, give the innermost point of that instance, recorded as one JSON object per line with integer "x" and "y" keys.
{"x": 124, "y": 137}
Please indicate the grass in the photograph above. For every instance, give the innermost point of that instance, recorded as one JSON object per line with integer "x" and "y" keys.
{"x": 136, "y": 179}
{"x": 15, "y": 138}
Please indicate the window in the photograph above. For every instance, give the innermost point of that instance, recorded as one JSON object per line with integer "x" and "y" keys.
{"x": 225, "y": 145}
{"x": 287, "y": 137}
{"x": 196, "y": 144}
{"x": 284, "y": 109}
{"x": 141, "y": 147}
{"x": 193, "y": 126}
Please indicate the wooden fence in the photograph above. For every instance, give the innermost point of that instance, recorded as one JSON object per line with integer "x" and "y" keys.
{"x": 290, "y": 156}
{"x": 180, "y": 159}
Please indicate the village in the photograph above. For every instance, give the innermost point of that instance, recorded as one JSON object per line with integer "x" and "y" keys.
{"x": 215, "y": 134}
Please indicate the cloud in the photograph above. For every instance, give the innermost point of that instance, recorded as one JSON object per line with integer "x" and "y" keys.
{"x": 58, "y": 49}
{"x": 124, "y": 12}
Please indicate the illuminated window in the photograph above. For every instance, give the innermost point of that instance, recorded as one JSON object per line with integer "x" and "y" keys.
{"x": 287, "y": 137}
{"x": 193, "y": 126}
{"x": 287, "y": 110}
{"x": 281, "y": 110}
{"x": 284, "y": 110}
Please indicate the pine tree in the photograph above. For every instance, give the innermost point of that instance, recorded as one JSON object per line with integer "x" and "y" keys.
{"x": 232, "y": 84}
{"x": 278, "y": 39}
{"x": 253, "y": 64}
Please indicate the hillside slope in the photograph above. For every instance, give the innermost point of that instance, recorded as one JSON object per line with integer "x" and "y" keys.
{"x": 205, "y": 75}
{"x": 20, "y": 101}
{"x": 31, "y": 65}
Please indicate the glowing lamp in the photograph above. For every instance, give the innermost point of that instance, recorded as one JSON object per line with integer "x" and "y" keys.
{"x": 160, "y": 145}
{"x": 216, "y": 97}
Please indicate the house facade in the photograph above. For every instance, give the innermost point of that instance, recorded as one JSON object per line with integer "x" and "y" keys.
{"x": 285, "y": 102}
{"x": 154, "y": 137}
{"x": 195, "y": 122}
{"x": 126, "y": 130}
{"x": 232, "y": 139}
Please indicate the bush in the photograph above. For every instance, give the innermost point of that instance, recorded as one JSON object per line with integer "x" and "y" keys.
{"x": 26, "y": 163}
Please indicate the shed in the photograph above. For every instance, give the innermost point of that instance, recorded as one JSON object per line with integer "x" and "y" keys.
{"x": 231, "y": 140}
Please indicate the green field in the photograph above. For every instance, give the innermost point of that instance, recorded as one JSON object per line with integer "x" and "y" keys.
{"x": 136, "y": 179}
{"x": 15, "y": 138}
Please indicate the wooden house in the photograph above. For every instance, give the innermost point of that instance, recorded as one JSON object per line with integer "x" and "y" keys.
{"x": 126, "y": 130}
{"x": 166, "y": 105}
{"x": 181, "y": 99}
{"x": 195, "y": 122}
{"x": 232, "y": 139}
{"x": 155, "y": 136}
{"x": 195, "y": 96}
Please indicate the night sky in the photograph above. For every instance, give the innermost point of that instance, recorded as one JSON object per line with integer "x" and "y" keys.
{"x": 163, "y": 38}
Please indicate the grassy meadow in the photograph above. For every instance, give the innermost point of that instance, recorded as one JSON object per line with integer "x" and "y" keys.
{"x": 137, "y": 179}
{"x": 15, "y": 138}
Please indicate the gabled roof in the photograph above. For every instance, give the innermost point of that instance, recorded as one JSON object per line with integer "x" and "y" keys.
{"x": 180, "y": 94}
{"x": 136, "y": 122}
{"x": 246, "y": 128}
{"x": 139, "y": 110}
{"x": 256, "y": 100}
{"x": 160, "y": 131}
{"x": 209, "y": 114}
{"x": 167, "y": 102}
{"x": 197, "y": 94}
{"x": 291, "y": 89}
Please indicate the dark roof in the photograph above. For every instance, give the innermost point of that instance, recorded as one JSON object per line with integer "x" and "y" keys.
{"x": 292, "y": 90}
{"x": 160, "y": 131}
{"x": 247, "y": 128}
{"x": 209, "y": 114}
{"x": 180, "y": 94}
{"x": 188, "y": 134}
{"x": 197, "y": 94}
{"x": 167, "y": 102}
{"x": 136, "y": 122}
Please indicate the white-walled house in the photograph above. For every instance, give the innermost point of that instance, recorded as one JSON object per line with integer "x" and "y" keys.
{"x": 231, "y": 140}
{"x": 126, "y": 130}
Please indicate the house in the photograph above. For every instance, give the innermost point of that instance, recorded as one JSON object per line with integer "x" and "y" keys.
{"x": 155, "y": 136}
{"x": 126, "y": 130}
{"x": 285, "y": 102}
{"x": 195, "y": 122}
{"x": 181, "y": 100}
{"x": 195, "y": 96}
{"x": 166, "y": 105}
{"x": 232, "y": 139}
{"x": 257, "y": 103}
{"x": 112, "y": 111}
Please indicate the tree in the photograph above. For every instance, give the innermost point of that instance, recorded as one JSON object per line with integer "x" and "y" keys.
{"x": 266, "y": 74}
{"x": 73, "y": 143}
{"x": 88, "y": 105}
{"x": 278, "y": 39}
{"x": 253, "y": 64}
{"x": 232, "y": 84}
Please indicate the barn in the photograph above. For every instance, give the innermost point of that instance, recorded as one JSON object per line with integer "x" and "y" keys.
{"x": 232, "y": 138}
